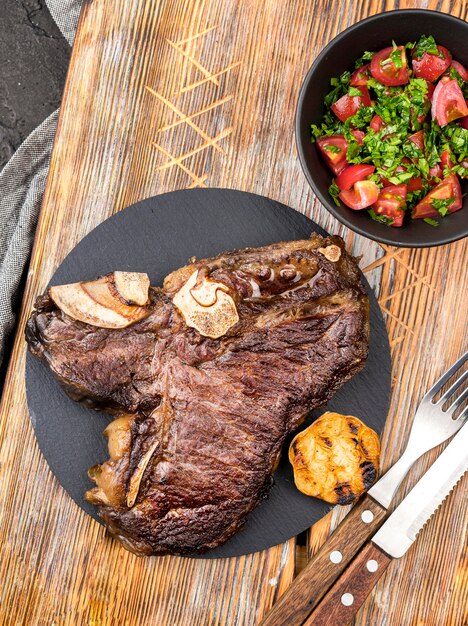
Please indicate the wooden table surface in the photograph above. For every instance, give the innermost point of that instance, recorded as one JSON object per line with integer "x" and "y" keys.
{"x": 168, "y": 94}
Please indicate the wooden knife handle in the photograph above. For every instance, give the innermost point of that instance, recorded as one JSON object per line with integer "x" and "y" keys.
{"x": 326, "y": 566}
{"x": 347, "y": 595}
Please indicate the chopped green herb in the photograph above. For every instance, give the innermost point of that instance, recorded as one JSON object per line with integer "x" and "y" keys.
{"x": 426, "y": 44}
{"x": 383, "y": 219}
{"x": 367, "y": 56}
{"x": 430, "y": 221}
{"x": 354, "y": 91}
{"x": 340, "y": 87}
{"x": 441, "y": 206}
{"x": 461, "y": 83}
{"x": 334, "y": 190}
{"x": 333, "y": 149}
{"x": 395, "y": 55}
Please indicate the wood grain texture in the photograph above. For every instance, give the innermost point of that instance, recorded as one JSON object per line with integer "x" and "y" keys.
{"x": 167, "y": 94}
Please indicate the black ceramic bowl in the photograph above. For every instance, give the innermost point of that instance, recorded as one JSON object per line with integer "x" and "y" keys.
{"x": 339, "y": 55}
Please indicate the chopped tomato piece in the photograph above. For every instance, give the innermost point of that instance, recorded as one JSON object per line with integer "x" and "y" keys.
{"x": 446, "y": 190}
{"x": 384, "y": 69}
{"x": 352, "y": 174}
{"x": 448, "y": 103}
{"x": 363, "y": 194}
{"x": 391, "y": 202}
{"x": 361, "y": 75}
{"x": 446, "y": 159}
{"x": 431, "y": 66}
{"x": 376, "y": 123}
{"x": 347, "y": 105}
{"x": 334, "y": 150}
{"x": 430, "y": 90}
{"x": 461, "y": 69}
{"x": 359, "y": 136}
{"x": 415, "y": 183}
{"x": 418, "y": 139}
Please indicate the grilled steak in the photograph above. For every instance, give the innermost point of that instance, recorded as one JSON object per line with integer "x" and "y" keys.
{"x": 200, "y": 422}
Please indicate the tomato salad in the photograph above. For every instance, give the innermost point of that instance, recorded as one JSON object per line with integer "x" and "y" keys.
{"x": 395, "y": 133}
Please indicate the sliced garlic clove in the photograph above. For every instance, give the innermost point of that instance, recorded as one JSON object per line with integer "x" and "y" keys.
{"x": 132, "y": 287}
{"x": 210, "y": 321}
{"x": 135, "y": 480}
{"x": 77, "y": 303}
{"x": 96, "y": 302}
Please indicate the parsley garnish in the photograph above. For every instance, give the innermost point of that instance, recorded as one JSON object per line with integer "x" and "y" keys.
{"x": 461, "y": 83}
{"x": 334, "y": 190}
{"x": 441, "y": 206}
{"x": 331, "y": 148}
{"x": 430, "y": 221}
{"x": 354, "y": 91}
{"x": 395, "y": 55}
{"x": 340, "y": 87}
{"x": 367, "y": 56}
{"x": 426, "y": 44}
{"x": 383, "y": 219}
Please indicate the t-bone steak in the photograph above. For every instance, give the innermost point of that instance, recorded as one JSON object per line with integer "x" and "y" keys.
{"x": 200, "y": 422}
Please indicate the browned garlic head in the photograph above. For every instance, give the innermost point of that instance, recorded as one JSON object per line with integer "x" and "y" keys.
{"x": 112, "y": 301}
{"x": 206, "y": 306}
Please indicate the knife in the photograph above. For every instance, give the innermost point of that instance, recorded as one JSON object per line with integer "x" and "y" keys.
{"x": 394, "y": 538}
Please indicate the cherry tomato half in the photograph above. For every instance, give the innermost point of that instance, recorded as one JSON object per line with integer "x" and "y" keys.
{"x": 361, "y": 75}
{"x": 446, "y": 189}
{"x": 384, "y": 70}
{"x": 347, "y": 105}
{"x": 352, "y": 174}
{"x": 390, "y": 203}
{"x": 431, "y": 66}
{"x": 448, "y": 103}
{"x": 363, "y": 194}
{"x": 334, "y": 150}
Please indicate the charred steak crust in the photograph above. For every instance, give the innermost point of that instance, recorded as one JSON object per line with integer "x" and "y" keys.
{"x": 202, "y": 421}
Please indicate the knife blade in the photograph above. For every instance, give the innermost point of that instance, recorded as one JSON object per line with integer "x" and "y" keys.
{"x": 400, "y": 530}
{"x": 394, "y": 538}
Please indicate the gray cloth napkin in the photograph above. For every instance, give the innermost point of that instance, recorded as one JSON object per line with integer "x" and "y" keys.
{"x": 22, "y": 183}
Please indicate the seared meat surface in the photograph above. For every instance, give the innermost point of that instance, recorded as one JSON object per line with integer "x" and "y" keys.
{"x": 201, "y": 422}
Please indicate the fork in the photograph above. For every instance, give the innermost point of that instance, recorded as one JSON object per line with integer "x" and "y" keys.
{"x": 431, "y": 426}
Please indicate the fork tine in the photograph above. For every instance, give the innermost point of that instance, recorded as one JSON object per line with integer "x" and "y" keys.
{"x": 452, "y": 388}
{"x": 458, "y": 401}
{"x": 463, "y": 415}
{"x": 444, "y": 378}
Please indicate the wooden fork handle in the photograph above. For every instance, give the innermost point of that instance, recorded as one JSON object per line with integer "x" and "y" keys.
{"x": 326, "y": 566}
{"x": 347, "y": 595}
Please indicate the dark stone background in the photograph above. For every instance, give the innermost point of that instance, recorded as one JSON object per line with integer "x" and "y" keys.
{"x": 33, "y": 63}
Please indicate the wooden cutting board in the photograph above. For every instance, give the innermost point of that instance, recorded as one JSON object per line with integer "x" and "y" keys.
{"x": 168, "y": 94}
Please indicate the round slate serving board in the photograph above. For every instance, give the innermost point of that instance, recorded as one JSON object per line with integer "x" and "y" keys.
{"x": 157, "y": 236}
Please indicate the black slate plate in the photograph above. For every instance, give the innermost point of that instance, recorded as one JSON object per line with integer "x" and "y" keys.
{"x": 157, "y": 236}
